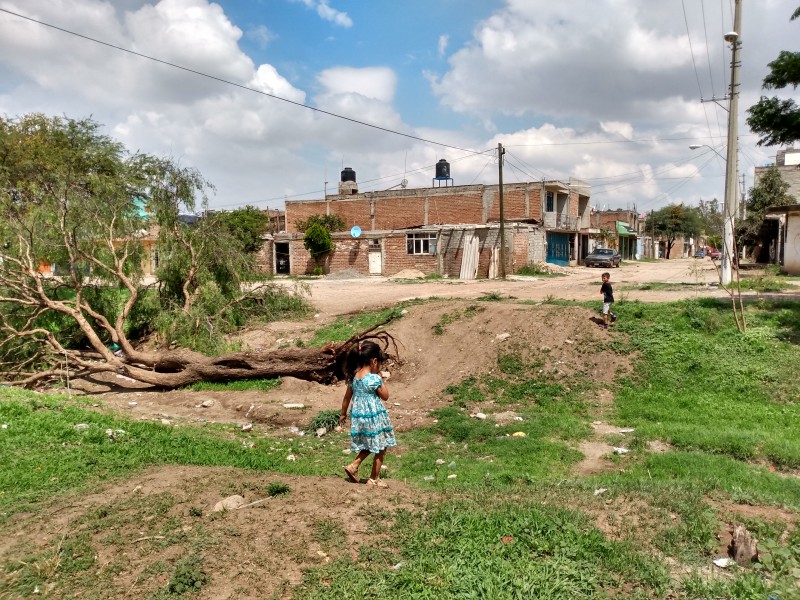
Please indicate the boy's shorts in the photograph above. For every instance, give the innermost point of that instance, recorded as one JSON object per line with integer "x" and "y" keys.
{"x": 606, "y": 307}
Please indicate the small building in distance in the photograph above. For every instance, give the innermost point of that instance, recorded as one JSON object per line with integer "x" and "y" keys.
{"x": 445, "y": 229}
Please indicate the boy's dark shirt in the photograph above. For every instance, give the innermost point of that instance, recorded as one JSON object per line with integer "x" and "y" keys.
{"x": 607, "y": 291}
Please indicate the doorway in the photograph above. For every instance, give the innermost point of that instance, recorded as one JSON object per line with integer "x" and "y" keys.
{"x": 282, "y": 265}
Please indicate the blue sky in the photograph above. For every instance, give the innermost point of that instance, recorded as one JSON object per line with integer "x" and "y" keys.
{"x": 604, "y": 90}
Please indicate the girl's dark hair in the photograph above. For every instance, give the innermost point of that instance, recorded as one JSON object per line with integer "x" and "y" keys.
{"x": 360, "y": 355}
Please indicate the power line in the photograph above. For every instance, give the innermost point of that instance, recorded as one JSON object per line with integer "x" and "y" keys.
{"x": 234, "y": 84}
{"x": 694, "y": 65}
{"x": 708, "y": 59}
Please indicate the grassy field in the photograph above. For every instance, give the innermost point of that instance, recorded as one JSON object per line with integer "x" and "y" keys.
{"x": 514, "y": 522}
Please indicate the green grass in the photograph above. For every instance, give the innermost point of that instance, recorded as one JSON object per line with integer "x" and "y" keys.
{"x": 261, "y": 385}
{"x": 346, "y": 327}
{"x": 514, "y": 522}
{"x": 490, "y": 549}
{"x": 44, "y": 454}
{"x": 537, "y": 271}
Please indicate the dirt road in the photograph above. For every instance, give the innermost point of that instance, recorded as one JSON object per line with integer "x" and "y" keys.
{"x": 690, "y": 277}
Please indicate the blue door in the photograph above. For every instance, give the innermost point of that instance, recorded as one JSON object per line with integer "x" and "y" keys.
{"x": 558, "y": 248}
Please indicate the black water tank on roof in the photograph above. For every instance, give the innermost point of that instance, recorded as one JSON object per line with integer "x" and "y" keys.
{"x": 442, "y": 169}
{"x": 348, "y": 174}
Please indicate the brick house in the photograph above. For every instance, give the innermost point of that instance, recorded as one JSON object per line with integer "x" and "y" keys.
{"x": 450, "y": 230}
{"x": 622, "y": 229}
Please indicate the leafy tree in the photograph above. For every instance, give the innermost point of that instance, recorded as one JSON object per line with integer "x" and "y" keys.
{"x": 317, "y": 240}
{"x": 771, "y": 190}
{"x": 70, "y": 195}
{"x": 330, "y": 222}
{"x": 247, "y": 225}
{"x": 778, "y": 121}
{"x": 711, "y": 219}
{"x": 674, "y": 221}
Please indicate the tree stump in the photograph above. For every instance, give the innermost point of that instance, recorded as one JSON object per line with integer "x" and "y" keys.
{"x": 743, "y": 547}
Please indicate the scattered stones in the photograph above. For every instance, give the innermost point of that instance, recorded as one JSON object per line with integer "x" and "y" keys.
{"x": 250, "y": 411}
{"x": 229, "y": 503}
{"x": 386, "y": 374}
{"x": 291, "y": 458}
{"x": 247, "y": 427}
{"x": 132, "y": 404}
{"x": 452, "y": 465}
{"x": 519, "y": 434}
{"x": 294, "y": 429}
{"x": 501, "y": 337}
{"x": 81, "y": 426}
{"x": 428, "y": 478}
{"x": 113, "y": 434}
{"x": 321, "y": 431}
{"x": 627, "y": 430}
{"x": 346, "y": 451}
{"x": 479, "y": 415}
{"x": 137, "y": 489}
{"x": 599, "y": 491}
{"x": 207, "y": 403}
{"x": 294, "y": 405}
{"x": 166, "y": 422}
{"x": 452, "y": 476}
{"x": 440, "y": 461}
{"x": 504, "y": 418}
{"x": 545, "y": 349}
{"x": 569, "y": 341}
{"x": 618, "y": 450}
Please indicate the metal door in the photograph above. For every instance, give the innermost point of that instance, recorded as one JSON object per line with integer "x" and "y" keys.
{"x": 558, "y": 248}
{"x": 375, "y": 262}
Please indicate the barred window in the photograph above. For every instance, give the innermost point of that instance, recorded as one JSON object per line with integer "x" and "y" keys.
{"x": 549, "y": 199}
{"x": 421, "y": 243}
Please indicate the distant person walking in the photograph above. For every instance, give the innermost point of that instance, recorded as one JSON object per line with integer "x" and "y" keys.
{"x": 608, "y": 300}
{"x": 371, "y": 431}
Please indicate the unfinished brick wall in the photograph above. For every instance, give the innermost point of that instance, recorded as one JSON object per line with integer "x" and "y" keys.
{"x": 352, "y": 211}
{"x": 519, "y": 249}
{"x": 265, "y": 257}
{"x": 349, "y": 254}
{"x": 455, "y": 208}
{"x": 396, "y": 257}
{"x": 399, "y": 213}
{"x": 513, "y": 204}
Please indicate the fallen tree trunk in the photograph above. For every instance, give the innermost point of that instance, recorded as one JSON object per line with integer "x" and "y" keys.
{"x": 181, "y": 367}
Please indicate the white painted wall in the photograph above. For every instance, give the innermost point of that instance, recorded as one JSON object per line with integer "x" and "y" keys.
{"x": 791, "y": 252}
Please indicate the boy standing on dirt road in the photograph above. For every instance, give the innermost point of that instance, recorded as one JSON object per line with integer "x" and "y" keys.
{"x": 608, "y": 300}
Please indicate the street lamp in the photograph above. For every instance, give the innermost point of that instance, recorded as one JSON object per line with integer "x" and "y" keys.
{"x": 696, "y": 146}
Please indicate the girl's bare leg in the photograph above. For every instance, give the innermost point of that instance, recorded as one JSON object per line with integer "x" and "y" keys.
{"x": 376, "y": 465}
{"x": 359, "y": 459}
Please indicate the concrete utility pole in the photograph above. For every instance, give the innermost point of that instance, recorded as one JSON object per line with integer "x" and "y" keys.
{"x": 731, "y": 175}
{"x": 500, "y": 153}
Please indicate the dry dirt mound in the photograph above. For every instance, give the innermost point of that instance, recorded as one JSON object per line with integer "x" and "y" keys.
{"x": 138, "y": 529}
{"x": 439, "y": 342}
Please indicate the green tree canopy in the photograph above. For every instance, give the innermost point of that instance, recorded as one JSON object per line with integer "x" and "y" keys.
{"x": 247, "y": 225}
{"x": 771, "y": 190}
{"x": 777, "y": 120}
{"x": 330, "y": 222}
{"x": 710, "y": 217}
{"x": 72, "y": 196}
{"x": 317, "y": 240}
{"x": 674, "y": 221}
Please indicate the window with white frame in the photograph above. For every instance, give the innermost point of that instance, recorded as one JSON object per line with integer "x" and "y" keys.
{"x": 421, "y": 243}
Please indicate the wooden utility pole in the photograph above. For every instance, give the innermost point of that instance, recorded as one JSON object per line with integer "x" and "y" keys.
{"x": 500, "y": 153}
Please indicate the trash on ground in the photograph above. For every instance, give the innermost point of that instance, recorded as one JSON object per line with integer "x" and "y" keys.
{"x": 519, "y": 434}
{"x": 627, "y": 430}
{"x": 291, "y": 458}
{"x": 294, "y": 405}
{"x": 247, "y": 427}
{"x": 599, "y": 491}
{"x": 724, "y": 563}
{"x": 620, "y": 450}
{"x": 81, "y": 426}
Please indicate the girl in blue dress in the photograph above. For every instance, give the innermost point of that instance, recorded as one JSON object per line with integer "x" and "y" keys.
{"x": 371, "y": 430}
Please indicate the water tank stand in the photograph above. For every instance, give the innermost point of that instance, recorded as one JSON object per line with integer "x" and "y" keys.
{"x": 437, "y": 181}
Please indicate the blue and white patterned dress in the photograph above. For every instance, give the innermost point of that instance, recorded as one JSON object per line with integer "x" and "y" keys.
{"x": 370, "y": 427}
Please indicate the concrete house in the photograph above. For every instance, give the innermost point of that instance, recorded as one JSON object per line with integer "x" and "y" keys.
{"x": 445, "y": 229}
{"x": 787, "y": 250}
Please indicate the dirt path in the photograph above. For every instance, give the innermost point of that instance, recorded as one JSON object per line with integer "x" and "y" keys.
{"x": 341, "y": 296}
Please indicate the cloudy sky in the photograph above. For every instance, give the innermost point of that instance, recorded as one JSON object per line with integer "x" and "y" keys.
{"x": 603, "y": 90}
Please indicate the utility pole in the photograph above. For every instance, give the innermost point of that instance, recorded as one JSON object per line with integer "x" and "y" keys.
{"x": 731, "y": 175}
{"x": 500, "y": 153}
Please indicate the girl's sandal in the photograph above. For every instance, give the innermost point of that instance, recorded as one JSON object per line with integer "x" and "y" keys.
{"x": 351, "y": 475}
{"x": 376, "y": 483}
